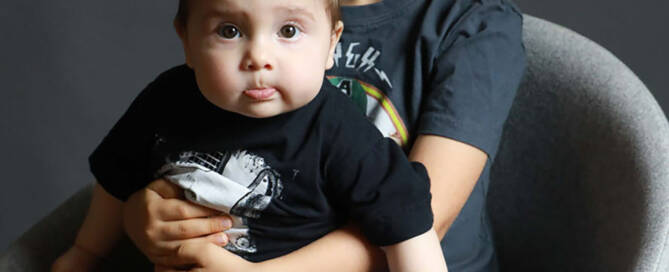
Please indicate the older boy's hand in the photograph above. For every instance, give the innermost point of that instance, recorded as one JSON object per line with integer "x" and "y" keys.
{"x": 207, "y": 257}
{"x": 159, "y": 221}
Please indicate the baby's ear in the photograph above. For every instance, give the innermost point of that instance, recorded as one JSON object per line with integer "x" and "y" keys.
{"x": 334, "y": 39}
{"x": 180, "y": 28}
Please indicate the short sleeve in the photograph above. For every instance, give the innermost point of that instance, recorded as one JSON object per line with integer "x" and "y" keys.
{"x": 475, "y": 77}
{"x": 385, "y": 194}
{"x": 120, "y": 162}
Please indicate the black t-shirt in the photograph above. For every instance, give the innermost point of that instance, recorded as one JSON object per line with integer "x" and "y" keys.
{"x": 316, "y": 167}
{"x": 441, "y": 67}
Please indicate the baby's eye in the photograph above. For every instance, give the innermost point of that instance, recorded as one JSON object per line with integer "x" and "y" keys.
{"x": 289, "y": 31}
{"x": 229, "y": 32}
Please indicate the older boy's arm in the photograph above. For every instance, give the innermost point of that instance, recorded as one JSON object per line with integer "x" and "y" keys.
{"x": 454, "y": 168}
{"x": 97, "y": 236}
{"x": 345, "y": 249}
{"x": 420, "y": 253}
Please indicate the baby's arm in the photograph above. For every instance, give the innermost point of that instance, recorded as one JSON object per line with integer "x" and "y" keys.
{"x": 98, "y": 234}
{"x": 420, "y": 253}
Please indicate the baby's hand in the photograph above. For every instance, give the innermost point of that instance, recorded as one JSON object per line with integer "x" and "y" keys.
{"x": 75, "y": 259}
{"x": 209, "y": 257}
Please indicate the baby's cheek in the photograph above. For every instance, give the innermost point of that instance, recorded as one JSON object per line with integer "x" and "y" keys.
{"x": 307, "y": 84}
{"x": 228, "y": 80}
{"x": 220, "y": 88}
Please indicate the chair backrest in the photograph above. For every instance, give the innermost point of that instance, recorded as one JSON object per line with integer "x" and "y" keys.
{"x": 581, "y": 180}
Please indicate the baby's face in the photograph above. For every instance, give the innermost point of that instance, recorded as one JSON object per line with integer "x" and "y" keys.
{"x": 259, "y": 58}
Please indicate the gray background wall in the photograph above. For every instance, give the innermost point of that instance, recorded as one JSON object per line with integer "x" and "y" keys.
{"x": 68, "y": 70}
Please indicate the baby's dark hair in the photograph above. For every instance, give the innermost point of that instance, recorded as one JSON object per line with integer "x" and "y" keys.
{"x": 332, "y": 10}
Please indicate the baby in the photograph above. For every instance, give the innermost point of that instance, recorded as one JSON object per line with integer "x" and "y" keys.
{"x": 251, "y": 127}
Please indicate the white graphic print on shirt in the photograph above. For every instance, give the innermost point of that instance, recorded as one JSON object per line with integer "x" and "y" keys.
{"x": 238, "y": 183}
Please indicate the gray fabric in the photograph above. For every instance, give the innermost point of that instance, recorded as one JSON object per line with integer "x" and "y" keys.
{"x": 37, "y": 248}
{"x": 581, "y": 180}
{"x": 580, "y": 183}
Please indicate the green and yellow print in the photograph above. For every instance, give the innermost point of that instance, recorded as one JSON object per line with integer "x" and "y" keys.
{"x": 376, "y": 106}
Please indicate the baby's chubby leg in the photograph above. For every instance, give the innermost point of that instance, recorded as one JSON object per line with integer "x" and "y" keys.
{"x": 420, "y": 253}
{"x": 101, "y": 229}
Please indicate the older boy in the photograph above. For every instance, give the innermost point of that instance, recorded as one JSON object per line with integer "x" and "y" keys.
{"x": 251, "y": 119}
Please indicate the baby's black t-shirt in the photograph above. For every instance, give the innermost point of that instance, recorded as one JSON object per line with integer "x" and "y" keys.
{"x": 316, "y": 168}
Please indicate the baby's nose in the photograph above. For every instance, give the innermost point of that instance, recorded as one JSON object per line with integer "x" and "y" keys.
{"x": 257, "y": 57}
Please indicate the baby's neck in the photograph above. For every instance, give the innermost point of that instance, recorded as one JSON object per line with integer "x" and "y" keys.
{"x": 358, "y": 2}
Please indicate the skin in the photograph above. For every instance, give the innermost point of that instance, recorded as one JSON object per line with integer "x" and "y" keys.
{"x": 97, "y": 236}
{"x": 172, "y": 228}
{"x": 256, "y": 58}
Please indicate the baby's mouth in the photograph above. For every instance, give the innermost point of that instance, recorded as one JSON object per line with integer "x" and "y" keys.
{"x": 260, "y": 94}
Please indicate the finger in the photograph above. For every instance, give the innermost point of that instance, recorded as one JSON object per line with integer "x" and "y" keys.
{"x": 165, "y": 242}
{"x": 177, "y": 209}
{"x": 166, "y": 189}
{"x": 172, "y": 259}
{"x": 193, "y": 228}
{"x": 220, "y": 239}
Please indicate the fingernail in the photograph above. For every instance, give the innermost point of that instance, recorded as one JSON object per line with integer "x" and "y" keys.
{"x": 222, "y": 239}
{"x": 227, "y": 223}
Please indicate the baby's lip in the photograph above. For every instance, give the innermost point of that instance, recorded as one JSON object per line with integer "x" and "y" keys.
{"x": 260, "y": 94}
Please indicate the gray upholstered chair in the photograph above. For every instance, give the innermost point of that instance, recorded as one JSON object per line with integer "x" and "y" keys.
{"x": 581, "y": 182}
{"x": 37, "y": 248}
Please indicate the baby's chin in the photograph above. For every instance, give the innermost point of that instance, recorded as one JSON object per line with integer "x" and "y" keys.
{"x": 265, "y": 111}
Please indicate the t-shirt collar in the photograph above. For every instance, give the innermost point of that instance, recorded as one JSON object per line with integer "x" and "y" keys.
{"x": 372, "y": 14}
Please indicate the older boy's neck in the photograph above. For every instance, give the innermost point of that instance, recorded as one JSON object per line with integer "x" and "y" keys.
{"x": 358, "y": 2}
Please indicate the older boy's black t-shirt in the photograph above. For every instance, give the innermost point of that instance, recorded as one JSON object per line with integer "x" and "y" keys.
{"x": 318, "y": 166}
{"x": 440, "y": 67}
